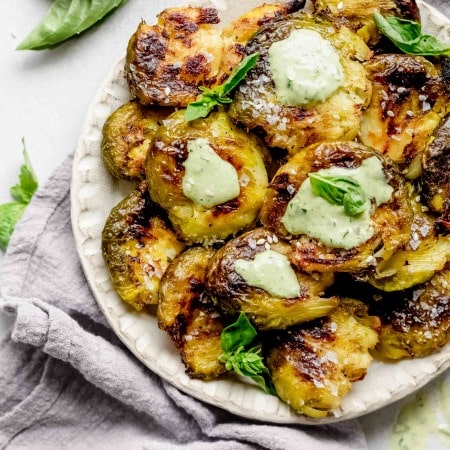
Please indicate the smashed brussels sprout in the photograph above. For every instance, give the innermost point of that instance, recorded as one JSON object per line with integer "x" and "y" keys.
{"x": 435, "y": 178}
{"x": 312, "y": 366}
{"x": 267, "y": 311}
{"x": 426, "y": 253}
{"x": 257, "y": 107}
{"x": 391, "y": 221}
{"x": 167, "y": 62}
{"x": 418, "y": 322}
{"x": 138, "y": 243}
{"x": 189, "y": 317}
{"x": 165, "y": 170}
{"x": 127, "y": 135}
{"x": 409, "y": 100}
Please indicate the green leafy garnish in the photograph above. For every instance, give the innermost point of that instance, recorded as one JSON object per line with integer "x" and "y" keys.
{"x": 407, "y": 36}
{"x": 219, "y": 95}
{"x": 65, "y": 19}
{"x": 11, "y": 212}
{"x": 341, "y": 190}
{"x": 245, "y": 362}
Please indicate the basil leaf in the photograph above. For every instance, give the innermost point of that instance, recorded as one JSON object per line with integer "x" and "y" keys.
{"x": 10, "y": 213}
{"x": 249, "y": 363}
{"x": 238, "y": 74}
{"x": 65, "y": 19}
{"x": 218, "y": 95}
{"x": 407, "y": 36}
{"x": 354, "y": 202}
{"x": 238, "y": 334}
{"x": 342, "y": 190}
{"x": 28, "y": 184}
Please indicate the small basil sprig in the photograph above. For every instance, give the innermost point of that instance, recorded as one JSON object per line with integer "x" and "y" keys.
{"x": 11, "y": 212}
{"x": 219, "y": 94}
{"x": 341, "y": 190}
{"x": 65, "y": 19}
{"x": 246, "y": 362}
{"x": 407, "y": 36}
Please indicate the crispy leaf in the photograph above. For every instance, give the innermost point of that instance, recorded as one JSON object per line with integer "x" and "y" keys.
{"x": 407, "y": 36}
{"x": 218, "y": 96}
{"x": 65, "y": 19}
{"x": 344, "y": 191}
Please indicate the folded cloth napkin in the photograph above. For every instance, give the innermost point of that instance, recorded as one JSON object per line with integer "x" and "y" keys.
{"x": 68, "y": 382}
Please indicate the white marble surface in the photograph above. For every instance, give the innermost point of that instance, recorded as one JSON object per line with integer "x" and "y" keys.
{"x": 45, "y": 97}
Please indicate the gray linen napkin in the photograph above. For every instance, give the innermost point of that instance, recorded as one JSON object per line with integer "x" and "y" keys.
{"x": 68, "y": 382}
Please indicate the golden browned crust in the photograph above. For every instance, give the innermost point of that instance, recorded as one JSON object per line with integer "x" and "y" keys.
{"x": 435, "y": 178}
{"x": 138, "y": 244}
{"x": 312, "y": 366}
{"x": 408, "y": 102}
{"x": 189, "y": 317}
{"x": 167, "y": 62}
{"x": 416, "y": 323}
{"x": 127, "y": 136}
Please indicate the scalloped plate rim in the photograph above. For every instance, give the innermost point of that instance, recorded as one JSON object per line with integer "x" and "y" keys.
{"x": 110, "y": 94}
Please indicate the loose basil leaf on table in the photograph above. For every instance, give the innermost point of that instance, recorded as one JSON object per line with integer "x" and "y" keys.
{"x": 65, "y": 19}
{"x": 11, "y": 212}
{"x": 340, "y": 190}
{"x": 245, "y": 362}
{"x": 407, "y": 36}
{"x": 219, "y": 95}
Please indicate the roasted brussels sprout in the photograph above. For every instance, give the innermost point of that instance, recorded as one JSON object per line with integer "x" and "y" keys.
{"x": 167, "y": 62}
{"x": 189, "y": 317}
{"x": 312, "y": 366}
{"x": 257, "y": 106}
{"x": 408, "y": 101}
{"x": 166, "y": 170}
{"x": 138, "y": 244}
{"x": 324, "y": 247}
{"x": 425, "y": 253}
{"x": 436, "y": 170}
{"x": 127, "y": 136}
{"x": 237, "y": 33}
{"x": 417, "y": 323}
{"x": 267, "y": 310}
{"x": 358, "y": 14}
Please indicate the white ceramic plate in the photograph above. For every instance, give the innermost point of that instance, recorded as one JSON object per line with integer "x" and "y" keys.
{"x": 94, "y": 192}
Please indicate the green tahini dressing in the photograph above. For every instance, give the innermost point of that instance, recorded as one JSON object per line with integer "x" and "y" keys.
{"x": 424, "y": 421}
{"x": 305, "y": 68}
{"x": 208, "y": 179}
{"x": 271, "y": 271}
{"x": 312, "y": 215}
